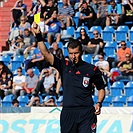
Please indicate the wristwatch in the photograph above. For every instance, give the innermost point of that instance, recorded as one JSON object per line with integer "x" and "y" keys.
{"x": 100, "y": 103}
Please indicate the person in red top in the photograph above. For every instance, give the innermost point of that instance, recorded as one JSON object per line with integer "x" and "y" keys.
{"x": 122, "y": 52}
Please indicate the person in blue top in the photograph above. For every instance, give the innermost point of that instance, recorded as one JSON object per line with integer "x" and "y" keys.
{"x": 115, "y": 12}
{"x": 79, "y": 115}
{"x": 54, "y": 28}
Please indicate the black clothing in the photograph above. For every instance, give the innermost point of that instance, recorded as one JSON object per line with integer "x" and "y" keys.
{"x": 49, "y": 11}
{"x": 77, "y": 82}
{"x": 78, "y": 111}
{"x": 97, "y": 41}
{"x": 87, "y": 21}
{"x": 7, "y": 70}
{"x": 128, "y": 16}
{"x": 85, "y": 40}
{"x": 58, "y": 53}
{"x": 78, "y": 120}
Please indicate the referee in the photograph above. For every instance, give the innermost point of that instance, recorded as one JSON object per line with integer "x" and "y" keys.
{"x": 79, "y": 115}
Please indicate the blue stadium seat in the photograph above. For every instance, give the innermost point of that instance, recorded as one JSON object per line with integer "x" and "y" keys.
{"x": 76, "y": 19}
{"x": 90, "y": 32}
{"x": 65, "y": 51}
{"x": 59, "y": 100}
{"x": 131, "y": 34}
{"x": 68, "y": 33}
{"x": 6, "y": 59}
{"x": 23, "y": 100}
{"x": 70, "y": 30}
{"x": 129, "y": 89}
{"x": 60, "y": 45}
{"x": 96, "y": 59}
{"x": 36, "y": 71}
{"x": 77, "y": 32}
{"x": 116, "y": 88}
{"x": 119, "y": 101}
{"x": 47, "y": 45}
{"x": 107, "y": 101}
{"x": 121, "y": 33}
{"x": 59, "y": 4}
{"x": 17, "y": 62}
{"x": 95, "y": 99}
{"x": 130, "y": 101}
{"x": 87, "y": 58}
{"x": 7, "y": 101}
{"x": 48, "y": 97}
{"x": 108, "y": 33}
{"x": 110, "y": 48}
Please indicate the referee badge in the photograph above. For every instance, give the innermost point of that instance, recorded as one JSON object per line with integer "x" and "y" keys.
{"x": 86, "y": 81}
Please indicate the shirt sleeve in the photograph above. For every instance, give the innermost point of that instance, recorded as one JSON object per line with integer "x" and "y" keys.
{"x": 99, "y": 80}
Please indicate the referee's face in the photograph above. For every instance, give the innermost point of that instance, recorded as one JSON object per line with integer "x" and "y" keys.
{"x": 74, "y": 54}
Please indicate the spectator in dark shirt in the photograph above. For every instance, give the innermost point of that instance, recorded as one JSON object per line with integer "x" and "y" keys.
{"x": 56, "y": 50}
{"x": 84, "y": 38}
{"x": 34, "y": 10}
{"x": 86, "y": 15}
{"x": 5, "y": 85}
{"x": 128, "y": 11}
{"x": 95, "y": 44}
{"x": 49, "y": 9}
{"x": 4, "y": 68}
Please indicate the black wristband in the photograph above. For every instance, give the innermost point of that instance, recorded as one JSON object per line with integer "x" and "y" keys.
{"x": 39, "y": 37}
{"x": 99, "y": 104}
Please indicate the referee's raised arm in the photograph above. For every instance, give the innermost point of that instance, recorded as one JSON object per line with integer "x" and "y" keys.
{"x": 48, "y": 56}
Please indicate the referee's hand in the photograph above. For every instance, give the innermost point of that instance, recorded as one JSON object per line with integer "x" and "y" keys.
{"x": 35, "y": 28}
{"x": 97, "y": 109}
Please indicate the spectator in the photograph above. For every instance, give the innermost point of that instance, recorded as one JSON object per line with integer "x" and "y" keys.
{"x": 38, "y": 60}
{"x": 94, "y": 4}
{"x": 121, "y": 53}
{"x": 84, "y": 38}
{"x": 19, "y": 45}
{"x": 18, "y": 83}
{"x": 23, "y": 25}
{"x": 56, "y": 50}
{"x": 30, "y": 43}
{"x": 45, "y": 85}
{"x": 15, "y": 103}
{"x": 54, "y": 28}
{"x": 126, "y": 69}
{"x": 102, "y": 14}
{"x": 34, "y": 10}
{"x": 14, "y": 32}
{"x": 49, "y": 9}
{"x": 4, "y": 68}
{"x": 86, "y": 15}
{"x": 95, "y": 45}
{"x": 50, "y": 102}
{"x": 18, "y": 10}
{"x": 5, "y": 85}
{"x": 30, "y": 82}
{"x": 103, "y": 65}
{"x": 65, "y": 13}
{"x": 128, "y": 11}
{"x": 115, "y": 12}
{"x": 35, "y": 101}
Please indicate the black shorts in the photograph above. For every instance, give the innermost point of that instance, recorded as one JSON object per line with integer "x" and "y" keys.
{"x": 78, "y": 120}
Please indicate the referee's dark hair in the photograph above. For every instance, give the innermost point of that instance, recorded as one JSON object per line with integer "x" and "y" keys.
{"x": 73, "y": 43}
